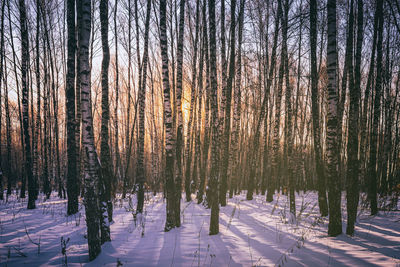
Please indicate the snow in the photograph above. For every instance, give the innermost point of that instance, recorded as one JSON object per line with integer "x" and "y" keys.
{"x": 252, "y": 233}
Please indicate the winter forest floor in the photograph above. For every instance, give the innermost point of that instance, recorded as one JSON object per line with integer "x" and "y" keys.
{"x": 252, "y": 233}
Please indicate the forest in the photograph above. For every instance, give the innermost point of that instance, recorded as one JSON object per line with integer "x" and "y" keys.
{"x": 228, "y": 126}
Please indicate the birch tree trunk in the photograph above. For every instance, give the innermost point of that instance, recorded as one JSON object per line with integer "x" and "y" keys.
{"x": 92, "y": 168}
{"x": 278, "y": 100}
{"x": 142, "y": 105}
{"x": 117, "y": 171}
{"x": 271, "y": 67}
{"x": 10, "y": 174}
{"x": 214, "y": 175}
{"x": 332, "y": 149}
{"x": 322, "y": 201}
{"x": 25, "y": 102}
{"x": 78, "y": 112}
{"x": 169, "y": 135}
{"x": 72, "y": 175}
{"x": 372, "y": 172}
{"x": 188, "y": 155}
{"x": 206, "y": 142}
{"x": 289, "y": 114}
{"x": 237, "y": 105}
{"x": 365, "y": 107}
{"x": 227, "y": 116}
{"x": 105, "y": 157}
{"x": 179, "y": 133}
{"x": 128, "y": 100}
{"x": 23, "y": 172}
{"x": 352, "y": 145}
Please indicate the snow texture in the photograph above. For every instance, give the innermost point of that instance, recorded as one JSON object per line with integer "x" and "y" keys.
{"x": 252, "y": 233}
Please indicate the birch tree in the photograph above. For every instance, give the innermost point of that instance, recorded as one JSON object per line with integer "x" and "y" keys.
{"x": 214, "y": 174}
{"x": 169, "y": 135}
{"x": 92, "y": 167}
{"x": 227, "y": 116}
{"x": 322, "y": 200}
{"x": 353, "y": 142}
{"x": 179, "y": 134}
{"x": 105, "y": 157}
{"x": 188, "y": 155}
{"x": 25, "y": 102}
{"x": 332, "y": 150}
{"x": 142, "y": 105}
{"x": 72, "y": 175}
{"x": 372, "y": 172}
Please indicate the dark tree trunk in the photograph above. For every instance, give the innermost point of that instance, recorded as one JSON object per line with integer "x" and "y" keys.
{"x": 142, "y": 105}
{"x": 322, "y": 201}
{"x": 289, "y": 114}
{"x": 332, "y": 149}
{"x": 23, "y": 172}
{"x": 278, "y": 99}
{"x": 236, "y": 106}
{"x": 227, "y": 118}
{"x": 10, "y": 174}
{"x": 117, "y": 170}
{"x": 206, "y": 142}
{"x": 25, "y": 100}
{"x": 1, "y": 71}
{"x": 72, "y": 175}
{"x": 372, "y": 172}
{"x": 38, "y": 91}
{"x": 105, "y": 157}
{"x": 214, "y": 180}
{"x": 352, "y": 145}
{"x": 128, "y": 101}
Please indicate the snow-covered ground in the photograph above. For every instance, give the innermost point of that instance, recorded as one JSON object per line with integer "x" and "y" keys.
{"x": 252, "y": 233}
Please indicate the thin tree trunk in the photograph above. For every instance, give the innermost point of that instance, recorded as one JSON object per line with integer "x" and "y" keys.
{"x": 23, "y": 172}
{"x": 227, "y": 118}
{"x": 278, "y": 99}
{"x": 270, "y": 181}
{"x": 224, "y": 67}
{"x": 25, "y": 103}
{"x": 10, "y": 174}
{"x": 289, "y": 115}
{"x": 78, "y": 114}
{"x": 179, "y": 133}
{"x": 1, "y": 70}
{"x": 46, "y": 122}
{"x": 365, "y": 109}
{"x": 188, "y": 155}
{"x": 372, "y": 172}
{"x": 117, "y": 171}
{"x": 206, "y": 142}
{"x": 142, "y": 105}
{"x": 128, "y": 98}
{"x": 105, "y": 157}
